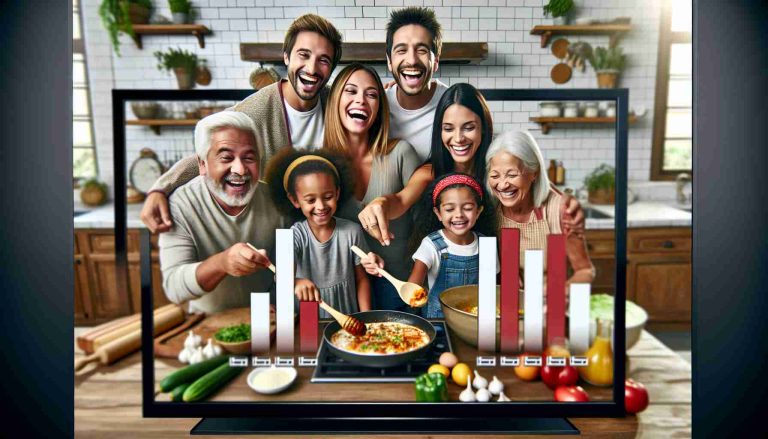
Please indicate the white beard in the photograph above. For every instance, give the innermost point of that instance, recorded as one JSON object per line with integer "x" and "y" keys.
{"x": 217, "y": 189}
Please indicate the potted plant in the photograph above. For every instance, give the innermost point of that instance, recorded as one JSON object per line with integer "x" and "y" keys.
{"x": 558, "y": 9}
{"x": 608, "y": 63}
{"x": 93, "y": 192}
{"x": 180, "y": 10}
{"x": 182, "y": 63}
{"x": 600, "y": 184}
{"x": 119, "y": 16}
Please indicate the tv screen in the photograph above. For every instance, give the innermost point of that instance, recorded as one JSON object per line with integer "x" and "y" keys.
{"x": 531, "y": 330}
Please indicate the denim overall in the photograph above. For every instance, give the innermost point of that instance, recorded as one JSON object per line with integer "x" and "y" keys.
{"x": 454, "y": 271}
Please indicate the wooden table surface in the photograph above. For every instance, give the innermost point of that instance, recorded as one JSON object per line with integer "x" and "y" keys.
{"x": 108, "y": 399}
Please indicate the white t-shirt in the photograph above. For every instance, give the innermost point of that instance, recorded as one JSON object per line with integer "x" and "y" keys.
{"x": 414, "y": 126}
{"x": 427, "y": 253}
{"x": 306, "y": 127}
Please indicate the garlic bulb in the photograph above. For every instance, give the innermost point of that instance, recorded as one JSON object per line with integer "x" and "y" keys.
{"x": 483, "y": 395}
{"x": 197, "y": 356}
{"x": 467, "y": 395}
{"x": 209, "y": 351}
{"x": 479, "y": 382}
{"x": 495, "y": 386}
{"x": 184, "y": 355}
{"x": 503, "y": 398}
{"x": 192, "y": 341}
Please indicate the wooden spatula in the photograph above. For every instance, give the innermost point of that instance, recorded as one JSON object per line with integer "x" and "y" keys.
{"x": 349, "y": 323}
{"x": 271, "y": 266}
{"x": 411, "y": 293}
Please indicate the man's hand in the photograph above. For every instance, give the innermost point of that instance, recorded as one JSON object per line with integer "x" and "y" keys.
{"x": 374, "y": 220}
{"x": 372, "y": 263}
{"x": 155, "y": 214}
{"x": 573, "y": 216}
{"x": 241, "y": 260}
{"x": 306, "y": 290}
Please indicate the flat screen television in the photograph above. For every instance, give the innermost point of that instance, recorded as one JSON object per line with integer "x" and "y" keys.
{"x": 332, "y": 397}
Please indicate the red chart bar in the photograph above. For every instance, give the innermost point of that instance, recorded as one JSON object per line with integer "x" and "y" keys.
{"x": 510, "y": 287}
{"x": 308, "y": 326}
{"x": 555, "y": 287}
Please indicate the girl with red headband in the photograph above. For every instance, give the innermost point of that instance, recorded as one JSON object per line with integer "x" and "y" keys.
{"x": 448, "y": 253}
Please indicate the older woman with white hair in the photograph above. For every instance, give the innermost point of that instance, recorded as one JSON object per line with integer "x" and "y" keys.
{"x": 526, "y": 201}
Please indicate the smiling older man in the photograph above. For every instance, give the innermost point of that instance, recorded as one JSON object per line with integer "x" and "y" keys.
{"x": 204, "y": 259}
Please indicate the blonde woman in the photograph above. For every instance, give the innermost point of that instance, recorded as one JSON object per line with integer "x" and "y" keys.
{"x": 387, "y": 172}
{"x": 525, "y": 200}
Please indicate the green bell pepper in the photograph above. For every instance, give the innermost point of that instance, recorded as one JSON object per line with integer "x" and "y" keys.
{"x": 431, "y": 387}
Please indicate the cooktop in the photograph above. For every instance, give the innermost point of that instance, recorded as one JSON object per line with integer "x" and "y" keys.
{"x": 332, "y": 369}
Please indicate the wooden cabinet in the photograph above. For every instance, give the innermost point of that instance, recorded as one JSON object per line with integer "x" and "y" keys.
{"x": 658, "y": 270}
{"x": 97, "y": 297}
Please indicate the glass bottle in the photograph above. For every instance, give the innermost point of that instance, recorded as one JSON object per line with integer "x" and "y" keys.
{"x": 599, "y": 368}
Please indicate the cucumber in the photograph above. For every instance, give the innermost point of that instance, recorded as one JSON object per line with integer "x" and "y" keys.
{"x": 178, "y": 392}
{"x": 191, "y": 373}
{"x": 211, "y": 382}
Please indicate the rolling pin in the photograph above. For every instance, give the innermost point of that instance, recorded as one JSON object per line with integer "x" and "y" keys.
{"x": 115, "y": 329}
{"x": 163, "y": 321}
{"x": 118, "y": 348}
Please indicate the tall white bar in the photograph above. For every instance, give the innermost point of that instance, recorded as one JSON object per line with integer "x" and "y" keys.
{"x": 486, "y": 295}
{"x": 578, "y": 316}
{"x": 284, "y": 281}
{"x": 533, "y": 302}
{"x": 260, "y": 323}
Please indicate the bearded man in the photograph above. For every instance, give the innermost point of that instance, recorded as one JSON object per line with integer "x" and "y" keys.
{"x": 205, "y": 258}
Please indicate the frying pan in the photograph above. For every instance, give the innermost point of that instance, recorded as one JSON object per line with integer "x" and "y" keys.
{"x": 381, "y": 360}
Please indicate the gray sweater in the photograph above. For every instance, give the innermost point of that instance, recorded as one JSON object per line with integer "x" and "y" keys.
{"x": 201, "y": 229}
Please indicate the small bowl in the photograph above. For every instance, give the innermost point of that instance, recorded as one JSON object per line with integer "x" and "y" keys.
{"x": 631, "y": 337}
{"x": 269, "y": 390}
{"x": 145, "y": 110}
{"x": 237, "y": 348}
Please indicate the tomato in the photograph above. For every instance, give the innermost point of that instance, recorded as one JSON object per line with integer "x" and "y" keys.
{"x": 554, "y": 376}
{"x": 571, "y": 394}
{"x": 526, "y": 373}
{"x": 635, "y": 396}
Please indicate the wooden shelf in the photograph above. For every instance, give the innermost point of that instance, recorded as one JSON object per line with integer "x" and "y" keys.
{"x": 197, "y": 30}
{"x": 548, "y": 122}
{"x": 614, "y": 30}
{"x": 370, "y": 53}
{"x": 155, "y": 124}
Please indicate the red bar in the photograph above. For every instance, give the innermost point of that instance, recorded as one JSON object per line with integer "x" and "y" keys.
{"x": 510, "y": 288}
{"x": 555, "y": 287}
{"x": 308, "y": 326}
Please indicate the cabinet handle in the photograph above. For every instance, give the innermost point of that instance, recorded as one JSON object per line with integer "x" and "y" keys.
{"x": 78, "y": 261}
{"x": 668, "y": 244}
{"x": 590, "y": 247}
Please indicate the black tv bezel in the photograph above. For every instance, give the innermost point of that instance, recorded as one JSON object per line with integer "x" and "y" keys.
{"x": 152, "y": 408}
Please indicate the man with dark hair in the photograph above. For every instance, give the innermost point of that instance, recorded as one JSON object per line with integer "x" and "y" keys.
{"x": 414, "y": 43}
{"x": 286, "y": 113}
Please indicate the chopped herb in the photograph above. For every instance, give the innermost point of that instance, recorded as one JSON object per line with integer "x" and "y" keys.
{"x": 234, "y": 334}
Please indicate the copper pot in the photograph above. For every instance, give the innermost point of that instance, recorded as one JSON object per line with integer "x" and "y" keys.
{"x": 607, "y": 78}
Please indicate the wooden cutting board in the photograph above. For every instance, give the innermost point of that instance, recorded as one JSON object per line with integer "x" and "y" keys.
{"x": 170, "y": 344}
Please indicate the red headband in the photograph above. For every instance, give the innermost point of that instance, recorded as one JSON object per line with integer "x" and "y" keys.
{"x": 455, "y": 179}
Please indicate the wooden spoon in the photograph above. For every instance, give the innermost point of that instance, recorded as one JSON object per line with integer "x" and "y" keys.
{"x": 271, "y": 266}
{"x": 411, "y": 293}
{"x": 349, "y": 323}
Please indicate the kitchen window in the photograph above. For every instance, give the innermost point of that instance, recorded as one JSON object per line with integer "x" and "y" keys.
{"x": 672, "y": 139}
{"x": 83, "y": 147}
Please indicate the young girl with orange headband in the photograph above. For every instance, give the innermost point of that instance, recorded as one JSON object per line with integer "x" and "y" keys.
{"x": 313, "y": 185}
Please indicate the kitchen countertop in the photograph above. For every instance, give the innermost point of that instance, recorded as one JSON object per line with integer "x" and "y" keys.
{"x": 639, "y": 214}
{"x": 108, "y": 400}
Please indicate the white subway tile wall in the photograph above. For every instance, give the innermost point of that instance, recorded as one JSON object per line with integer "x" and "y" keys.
{"x": 515, "y": 60}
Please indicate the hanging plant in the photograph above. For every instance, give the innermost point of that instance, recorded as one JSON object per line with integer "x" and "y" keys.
{"x": 558, "y": 8}
{"x": 118, "y": 17}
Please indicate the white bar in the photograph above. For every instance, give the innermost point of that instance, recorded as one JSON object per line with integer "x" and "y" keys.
{"x": 284, "y": 281}
{"x": 486, "y": 295}
{"x": 578, "y": 316}
{"x": 533, "y": 302}
{"x": 260, "y": 323}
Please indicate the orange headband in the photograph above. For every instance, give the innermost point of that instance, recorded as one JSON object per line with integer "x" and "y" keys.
{"x": 302, "y": 159}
